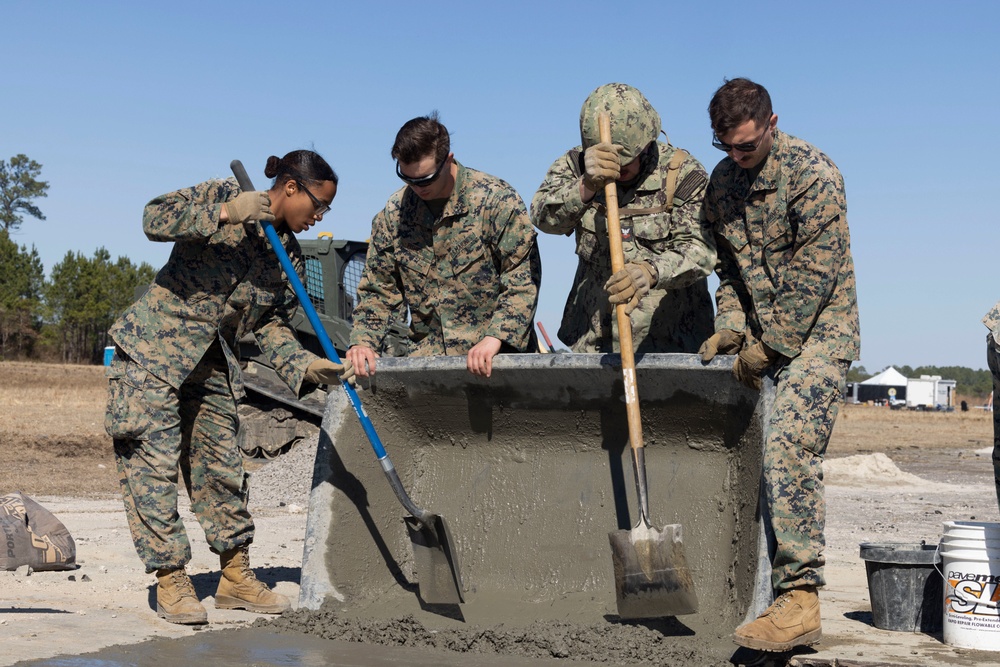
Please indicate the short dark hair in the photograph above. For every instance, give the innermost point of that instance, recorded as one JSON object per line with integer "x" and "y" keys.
{"x": 420, "y": 137}
{"x": 302, "y": 166}
{"x": 737, "y": 101}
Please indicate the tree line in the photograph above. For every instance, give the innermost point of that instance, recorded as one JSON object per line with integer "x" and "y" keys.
{"x": 66, "y": 316}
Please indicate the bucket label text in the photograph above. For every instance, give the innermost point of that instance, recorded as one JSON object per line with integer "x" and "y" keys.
{"x": 973, "y": 593}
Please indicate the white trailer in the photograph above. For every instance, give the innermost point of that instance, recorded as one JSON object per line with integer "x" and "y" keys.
{"x": 930, "y": 392}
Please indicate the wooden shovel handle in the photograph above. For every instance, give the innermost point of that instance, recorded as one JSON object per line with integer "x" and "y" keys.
{"x": 624, "y": 323}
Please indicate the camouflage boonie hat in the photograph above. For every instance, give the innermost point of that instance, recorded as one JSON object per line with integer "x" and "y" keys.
{"x": 634, "y": 121}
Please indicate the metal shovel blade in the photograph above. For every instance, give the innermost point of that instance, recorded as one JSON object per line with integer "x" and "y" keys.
{"x": 652, "y": 578}
{"x": 435, "y": 559}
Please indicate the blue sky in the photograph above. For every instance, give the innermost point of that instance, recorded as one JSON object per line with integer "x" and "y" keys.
{"x": 123, "y": 101}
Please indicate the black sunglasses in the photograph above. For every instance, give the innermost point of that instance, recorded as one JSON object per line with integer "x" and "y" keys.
{"x": 319, "y": 207}
{"x": 422, "y": 180}
{"x": 743, "y": 148}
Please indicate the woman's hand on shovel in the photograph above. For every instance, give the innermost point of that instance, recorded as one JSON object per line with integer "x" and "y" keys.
{"x": 324, "y": 371}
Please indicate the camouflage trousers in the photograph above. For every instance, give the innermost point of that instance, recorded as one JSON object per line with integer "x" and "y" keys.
{"x": 808, "y": 393}
{"x": 162, "y": 434}
{"x": 993, "y": 360}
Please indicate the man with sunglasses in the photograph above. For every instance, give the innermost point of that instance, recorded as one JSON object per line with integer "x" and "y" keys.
{"x": 455, "y": 248}
{"x": 668, "y": 253}
{"x": 787, "y": 306}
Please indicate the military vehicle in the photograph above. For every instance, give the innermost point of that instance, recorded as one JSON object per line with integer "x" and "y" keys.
{"x": 272, "y": 418}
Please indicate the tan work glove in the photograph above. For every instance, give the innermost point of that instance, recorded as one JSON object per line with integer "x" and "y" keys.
{"x": 629, "y": 285}
{"x": 723, "y": 341}
{"x": 601, "y": 166}
{"x": 324, "y": 371}
{"x": 247, "y": 206}
{"x": 751, "y": 364}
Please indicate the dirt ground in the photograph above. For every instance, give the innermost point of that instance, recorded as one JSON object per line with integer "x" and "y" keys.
{"x": 53, "y": 419}
{"x": 54, "y": 449}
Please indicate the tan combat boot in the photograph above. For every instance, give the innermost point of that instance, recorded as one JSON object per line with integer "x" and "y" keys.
{"x": 792, "y": 620}
{"x": 240, "y": 589}
{"x": 176, "y": 600}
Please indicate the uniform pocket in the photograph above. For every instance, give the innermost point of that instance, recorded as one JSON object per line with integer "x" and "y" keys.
{"x": 414, "y": 265}
{"x": 652, "y": 231}
{"x": 780, "y": 242}
{"x": 126, "y": 416}
{"x": 264, "y": 297}
{"x": 467, "y": 256}
{"x": 810, "y": 390}
{"x": 736, "y": 237}
{"x": 587, "y": 245}
{"x": 473, "y": 272}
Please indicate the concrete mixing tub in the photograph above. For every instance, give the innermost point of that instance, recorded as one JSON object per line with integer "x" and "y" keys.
{"x": 531, "y": 469}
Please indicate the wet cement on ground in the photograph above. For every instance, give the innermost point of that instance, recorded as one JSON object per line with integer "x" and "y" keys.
{"x": 263, "y": 648}
{"x": 654, "y": 642}
{"x": 324, "y": 638}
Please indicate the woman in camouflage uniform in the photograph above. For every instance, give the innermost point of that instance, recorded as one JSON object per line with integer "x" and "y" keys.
{"x": 175, "y": 378}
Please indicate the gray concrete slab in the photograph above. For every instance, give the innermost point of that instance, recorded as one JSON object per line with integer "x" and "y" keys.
{"x": 531, "y": 469}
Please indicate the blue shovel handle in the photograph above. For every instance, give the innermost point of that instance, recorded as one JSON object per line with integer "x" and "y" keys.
{"x": 437, "y": 560}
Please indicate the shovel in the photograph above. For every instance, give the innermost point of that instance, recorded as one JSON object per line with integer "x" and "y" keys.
{"x": 545, "y": 335}
{"x": 652, "y": 578}
{"x": 434, "y": 553}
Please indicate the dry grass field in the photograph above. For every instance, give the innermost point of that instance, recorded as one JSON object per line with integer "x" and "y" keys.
{"x": 53, "y": 442}
{"x": 52, "y": 439}
{"x": 941, "y": 446}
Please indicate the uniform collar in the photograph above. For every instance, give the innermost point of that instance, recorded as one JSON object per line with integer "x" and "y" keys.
{"x": 459, "y": 195}
{"x": 653, "y": 179}
{"x": 767, "y": 179}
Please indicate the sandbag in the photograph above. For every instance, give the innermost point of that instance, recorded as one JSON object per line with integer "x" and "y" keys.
{"x": 31, "y": 535}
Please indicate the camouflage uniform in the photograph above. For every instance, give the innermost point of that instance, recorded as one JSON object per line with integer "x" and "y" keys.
{"x": 470, "y": 272}
{"x": 676, "y": 314}
{"x": 175, "y": 379}
{"x": 787, "y": 279}
{"x": 992, "y": 321}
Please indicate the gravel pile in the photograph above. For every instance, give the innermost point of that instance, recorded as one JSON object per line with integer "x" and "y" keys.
{"x": 283, "y": 484}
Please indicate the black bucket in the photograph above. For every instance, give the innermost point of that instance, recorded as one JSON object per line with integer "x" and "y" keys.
{"x": 905, "y": 589}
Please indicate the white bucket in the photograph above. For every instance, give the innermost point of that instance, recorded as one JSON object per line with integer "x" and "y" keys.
{"x": 970, "y": 560}
{"x": 977, "y": 530}
{"x": 959, "y": 545}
